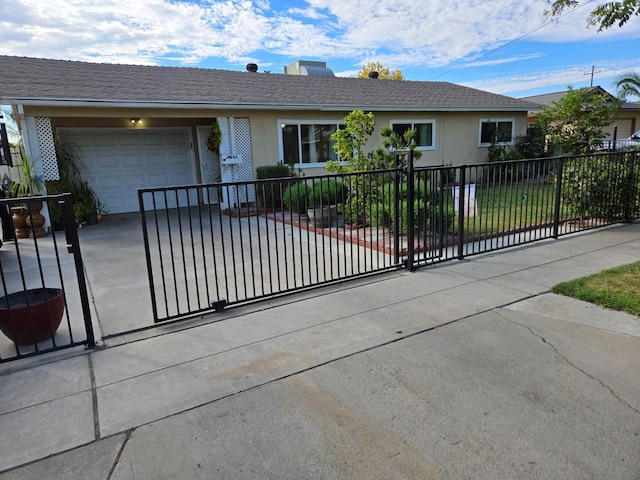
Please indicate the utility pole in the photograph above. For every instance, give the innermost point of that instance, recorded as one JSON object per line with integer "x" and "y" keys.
{"x": 592, "y": 73}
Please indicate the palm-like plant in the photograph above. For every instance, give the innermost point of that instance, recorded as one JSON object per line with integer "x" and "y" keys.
{"x": 28, "y": 183}
{"x": 628, "y": 85}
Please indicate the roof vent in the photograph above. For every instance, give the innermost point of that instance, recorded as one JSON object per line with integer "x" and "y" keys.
{"x": 252, "y": 67}
{"x": 373, "y": 75}
{"x": 307, "y": 67}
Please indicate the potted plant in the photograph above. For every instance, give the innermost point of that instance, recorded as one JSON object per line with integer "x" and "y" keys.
{"x": 31, "y": 316}
{"x": 27, "y": 219}
{"x": 85, "y": 203}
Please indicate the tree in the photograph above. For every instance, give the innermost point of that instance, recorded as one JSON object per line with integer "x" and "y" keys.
{"x": 575, "y": 123}
{"x": 349, "y": 143}
{"x": 603, "y": 16}
{"x": 383, "y": 72}
{"x": 628, "y": 85}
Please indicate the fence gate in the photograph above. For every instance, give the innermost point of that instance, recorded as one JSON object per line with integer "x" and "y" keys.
{"x": 202, "y": 257}
{"x": 306, "y": 232}
{"x": 44, "y": 304}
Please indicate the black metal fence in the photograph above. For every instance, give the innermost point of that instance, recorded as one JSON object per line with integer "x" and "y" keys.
{"x": 44, "y": 304}
{"x": 270, "y": 237}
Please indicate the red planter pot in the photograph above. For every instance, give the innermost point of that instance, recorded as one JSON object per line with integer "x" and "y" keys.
{"x": 31, "y": 316}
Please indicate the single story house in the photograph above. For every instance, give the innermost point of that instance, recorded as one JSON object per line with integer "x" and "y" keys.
{"x": 624, "y": 123}
{"x": 147, "y": 126}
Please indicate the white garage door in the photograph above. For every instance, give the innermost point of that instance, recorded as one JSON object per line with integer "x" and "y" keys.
{"x": 119, "y": 161}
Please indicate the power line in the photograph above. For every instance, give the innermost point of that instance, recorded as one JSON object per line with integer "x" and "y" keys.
{"x": 511, "y": 41}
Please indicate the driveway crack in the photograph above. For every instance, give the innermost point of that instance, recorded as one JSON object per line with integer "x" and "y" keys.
{"x": 569, "y": 362}
{"x": 119, "y": 455}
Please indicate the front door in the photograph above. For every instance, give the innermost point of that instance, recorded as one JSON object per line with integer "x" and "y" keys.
{"x": 209, "y": 165}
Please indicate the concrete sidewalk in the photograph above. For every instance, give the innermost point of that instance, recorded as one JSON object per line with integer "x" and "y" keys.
{"x": 469, "y": 369}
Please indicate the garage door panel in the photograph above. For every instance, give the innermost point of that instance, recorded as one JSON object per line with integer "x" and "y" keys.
{"x": 177, "y": 139}
{"x": 109, "y": 182}
{"x": 104, "y": 161}
{"x": 135, "y": 181}
{"x": 159, "y": 180}
{"x": 129, "y": 139}
{"x": 179, "y": 159}
{"x": 121, "y": 161}
{"x": 153, "y": 139}
{"x": 180, "y": 178}
{"x": 132, "y": 160}
{"x": 156, "y": 159}
{"x": 79, "y": 139}
{"x": 104, "y": 140}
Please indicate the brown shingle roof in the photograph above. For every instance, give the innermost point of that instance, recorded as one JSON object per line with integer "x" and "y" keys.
{"x": 42, "y": 81}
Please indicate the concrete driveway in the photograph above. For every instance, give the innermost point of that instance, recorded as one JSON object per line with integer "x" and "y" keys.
{"x": 470, "y": 369}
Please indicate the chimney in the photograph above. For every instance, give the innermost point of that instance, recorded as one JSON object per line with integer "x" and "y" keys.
{"x": 252, "y": 67}
{"x": 373, "y": 75}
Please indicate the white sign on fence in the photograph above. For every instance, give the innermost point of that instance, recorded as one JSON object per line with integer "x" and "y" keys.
{"x": 469, "y": 199}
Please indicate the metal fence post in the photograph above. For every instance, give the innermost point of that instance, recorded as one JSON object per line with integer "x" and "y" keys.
{"x": 556, "y": 211}
{"x": 73, "y": 246}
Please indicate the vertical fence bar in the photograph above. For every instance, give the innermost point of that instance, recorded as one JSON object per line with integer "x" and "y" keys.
{"x": 410, "y": 210}
{"x": 397, "y": 198}
{"x": 461, "y": 231}
{"x": 556, "y": 212}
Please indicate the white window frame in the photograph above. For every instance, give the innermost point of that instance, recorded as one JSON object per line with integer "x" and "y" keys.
{"x": 412, "y": 122}
{"x": 496, "y": 121}
{"x": 299, "y": 122}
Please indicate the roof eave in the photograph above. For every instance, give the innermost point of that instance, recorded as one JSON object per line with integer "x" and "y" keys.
{"x": 56, "y": 102}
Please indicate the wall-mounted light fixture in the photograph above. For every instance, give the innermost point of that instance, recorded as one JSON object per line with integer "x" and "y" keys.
{"x": 135, "y": 121}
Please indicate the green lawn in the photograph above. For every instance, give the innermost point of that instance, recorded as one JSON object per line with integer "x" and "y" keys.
{"x": 618, "y": 288}
{"x": 500, "y": 209}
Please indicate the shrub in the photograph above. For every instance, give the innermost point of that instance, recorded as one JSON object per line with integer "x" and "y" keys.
{"x": 328, "y": 191}
{"x": 598, "y": 187}
{"x": 269, "y": 194}
{"x": 428, "y": 214}
{"x": 296, "y": 197}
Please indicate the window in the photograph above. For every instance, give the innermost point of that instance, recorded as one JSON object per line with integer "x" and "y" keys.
{"x": 496, "y": 131}
{"x": 425, "y": 132}
{"x": 306, "y": 142}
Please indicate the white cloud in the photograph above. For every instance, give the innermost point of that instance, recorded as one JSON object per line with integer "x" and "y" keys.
{"x": 398, "y": 33}
{"x": 144, "y": 31}
{"x": 501, "y": 61}
{"x": 555, "y": 79}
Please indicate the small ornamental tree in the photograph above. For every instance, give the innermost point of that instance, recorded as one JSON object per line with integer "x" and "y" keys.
{"x": 575, "y": 124}
{"x": 349, "y": 144}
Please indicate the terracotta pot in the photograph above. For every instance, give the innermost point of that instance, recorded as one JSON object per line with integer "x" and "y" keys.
{"x": 19, "y": 215}
{"x": 31, "y": 316}
{"x": 35, "y": 220}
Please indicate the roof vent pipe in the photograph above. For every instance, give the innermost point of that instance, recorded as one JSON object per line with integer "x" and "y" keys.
{"x": 252, "y": 67}
{"x": 373, "y": 75}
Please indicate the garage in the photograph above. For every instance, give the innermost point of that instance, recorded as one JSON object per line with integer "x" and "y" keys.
{"x": 624, "y": 126}
{"x": 120, "y": 161}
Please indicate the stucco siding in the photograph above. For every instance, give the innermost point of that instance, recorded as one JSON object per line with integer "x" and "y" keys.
{"x": 456, "y": 133}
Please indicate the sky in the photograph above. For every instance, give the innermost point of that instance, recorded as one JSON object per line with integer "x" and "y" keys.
{"x": 501, "y": 46}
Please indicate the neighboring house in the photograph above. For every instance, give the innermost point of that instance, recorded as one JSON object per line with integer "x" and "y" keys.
{"x": 626, "y": 121}
{"x": 142, "y": 126}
